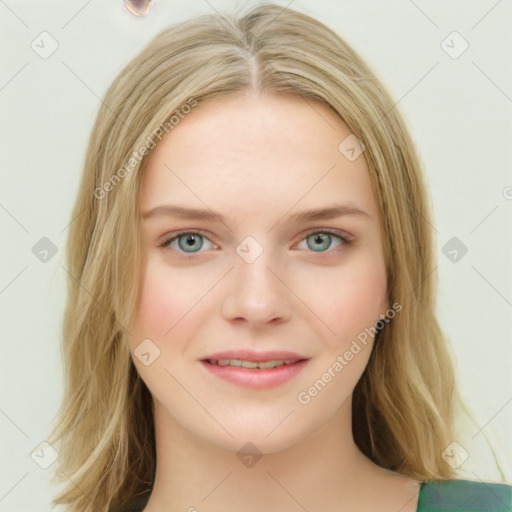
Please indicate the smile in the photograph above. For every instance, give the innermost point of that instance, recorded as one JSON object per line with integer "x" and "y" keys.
{"x": 254, "y": 374}
{"x": 251, "y": 364}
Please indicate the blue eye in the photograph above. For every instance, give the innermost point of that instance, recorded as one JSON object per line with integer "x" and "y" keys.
{"x": 191, "y": 242}
{"x": 188, "y": 242}
{"x": 320, "y": 242}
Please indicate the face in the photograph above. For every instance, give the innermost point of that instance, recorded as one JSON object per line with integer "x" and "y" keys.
{"x": 280, "y": 252}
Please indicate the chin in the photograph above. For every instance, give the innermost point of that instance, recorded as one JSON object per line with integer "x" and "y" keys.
{"x": 258, "y": 443}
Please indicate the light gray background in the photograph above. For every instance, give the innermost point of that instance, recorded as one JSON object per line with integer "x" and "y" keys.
{"x": 459, "y": 112}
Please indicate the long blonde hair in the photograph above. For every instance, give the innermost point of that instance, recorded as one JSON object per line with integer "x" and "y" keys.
{"x": 403, "y": 405}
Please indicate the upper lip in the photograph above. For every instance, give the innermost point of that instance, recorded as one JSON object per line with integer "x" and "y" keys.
{"x": 250, "y": 355}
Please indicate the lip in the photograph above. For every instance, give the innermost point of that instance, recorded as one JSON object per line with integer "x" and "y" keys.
{"x": 251, "y": 355}
{"x": 256, "y": 379}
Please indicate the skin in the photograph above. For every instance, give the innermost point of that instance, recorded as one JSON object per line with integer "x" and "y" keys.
{"x": 257, "y": 159}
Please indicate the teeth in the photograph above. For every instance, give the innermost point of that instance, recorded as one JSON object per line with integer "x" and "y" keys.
{"x": 270, "y": 364}
{"x": 251, "y": 364}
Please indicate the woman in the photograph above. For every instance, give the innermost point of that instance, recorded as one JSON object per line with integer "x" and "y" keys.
{"x": 250, "y": 322}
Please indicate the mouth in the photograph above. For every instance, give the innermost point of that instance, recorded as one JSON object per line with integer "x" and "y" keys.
{"x": 252, "y": 365}
{"x": 254, "y": 374}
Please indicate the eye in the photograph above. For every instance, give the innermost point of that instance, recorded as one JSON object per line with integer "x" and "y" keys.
{"x": 191, "y": 242}
{"x": 187, "y": 241}
{"x": 320, "y": 241}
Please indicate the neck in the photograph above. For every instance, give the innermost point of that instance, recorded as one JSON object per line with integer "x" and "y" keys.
{"x": 323, "y": 469}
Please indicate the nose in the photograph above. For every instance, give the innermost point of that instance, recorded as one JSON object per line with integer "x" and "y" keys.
{"x": 257, "y": 294}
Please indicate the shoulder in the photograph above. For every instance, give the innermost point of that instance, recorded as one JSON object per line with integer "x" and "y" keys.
{"x": 464, "y": 496}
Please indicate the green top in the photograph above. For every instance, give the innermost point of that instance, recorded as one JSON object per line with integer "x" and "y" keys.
{"x": 464, "y": 496}
{"x": 441, "y": 496}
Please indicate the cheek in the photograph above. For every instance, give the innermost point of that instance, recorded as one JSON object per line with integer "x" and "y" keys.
{"x": 365, "y": 295}
{"x": 349, "y": 299}
{"x": 164, "y": 301}
{"x": 158, "y": 308}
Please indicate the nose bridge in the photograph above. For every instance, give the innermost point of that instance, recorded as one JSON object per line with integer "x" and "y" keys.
{"x": 255, "y": 293}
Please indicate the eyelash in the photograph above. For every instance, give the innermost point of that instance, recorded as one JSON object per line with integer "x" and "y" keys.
{"x": 327, "y": 253}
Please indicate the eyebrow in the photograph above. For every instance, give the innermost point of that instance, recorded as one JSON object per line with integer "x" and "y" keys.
{"x": 328, "y": 212}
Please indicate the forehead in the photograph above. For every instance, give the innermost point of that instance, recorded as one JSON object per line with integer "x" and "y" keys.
{"x": 256, "y": 153}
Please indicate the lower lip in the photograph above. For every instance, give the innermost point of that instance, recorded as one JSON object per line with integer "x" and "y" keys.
{"x": 256, "y": 379}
